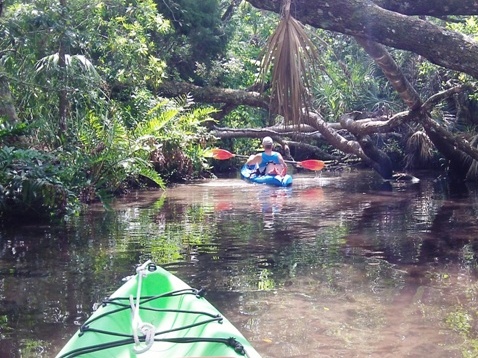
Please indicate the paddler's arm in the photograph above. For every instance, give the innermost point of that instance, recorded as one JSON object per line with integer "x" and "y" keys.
{"x": 254, "y": 159}
{"x": 284, "y": 165}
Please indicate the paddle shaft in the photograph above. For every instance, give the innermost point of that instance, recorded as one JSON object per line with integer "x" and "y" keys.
{"x": 247, "y": 156}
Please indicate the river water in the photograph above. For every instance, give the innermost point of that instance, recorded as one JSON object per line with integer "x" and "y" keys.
{"x": 338, "y": 265}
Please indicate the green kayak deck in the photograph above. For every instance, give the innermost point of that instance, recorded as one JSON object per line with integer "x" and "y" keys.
{"x": 155, "y": 314}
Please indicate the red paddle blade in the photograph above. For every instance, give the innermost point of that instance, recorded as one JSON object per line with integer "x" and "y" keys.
{"x": 221, "y": 154}
{"x": 312, "y": 164}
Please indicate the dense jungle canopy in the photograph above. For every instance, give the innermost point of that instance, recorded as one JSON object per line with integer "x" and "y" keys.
{"x": 99, "y": 96}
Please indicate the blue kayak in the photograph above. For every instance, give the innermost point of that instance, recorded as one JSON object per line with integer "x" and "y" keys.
{"x": 249, "y": 173}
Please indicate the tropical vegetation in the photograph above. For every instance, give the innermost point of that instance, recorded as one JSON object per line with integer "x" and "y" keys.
{"x": 82, "y": 121}
{"x": 98, "y": 97}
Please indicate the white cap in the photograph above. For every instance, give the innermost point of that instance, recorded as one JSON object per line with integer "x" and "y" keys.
{"x": 267, "y": 141}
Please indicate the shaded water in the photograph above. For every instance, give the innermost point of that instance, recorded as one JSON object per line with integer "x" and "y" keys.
{"x": 337, "y": 266}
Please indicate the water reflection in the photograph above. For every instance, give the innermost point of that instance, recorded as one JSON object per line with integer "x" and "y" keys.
{"x": 348, "y": 264}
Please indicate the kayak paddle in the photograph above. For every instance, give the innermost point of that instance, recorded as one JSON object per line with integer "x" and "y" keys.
{"x": 222, "y": 154}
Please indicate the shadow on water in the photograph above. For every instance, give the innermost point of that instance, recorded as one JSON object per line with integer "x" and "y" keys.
{"x": 337, "y": 265}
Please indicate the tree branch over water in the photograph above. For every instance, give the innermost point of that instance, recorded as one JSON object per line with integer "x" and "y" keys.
{"x": 366, "y": 19}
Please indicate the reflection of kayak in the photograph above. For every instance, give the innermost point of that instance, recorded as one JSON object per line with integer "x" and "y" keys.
{"x": 248, "y": 172}
{"x": 170, "y": 319}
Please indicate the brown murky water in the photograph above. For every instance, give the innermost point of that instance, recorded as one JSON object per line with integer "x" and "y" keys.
{"x": 336, "y": 266}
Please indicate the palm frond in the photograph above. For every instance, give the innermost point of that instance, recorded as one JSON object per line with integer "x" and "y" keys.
{"x": 289, "y": 52}
{"x": 184, "y": 101}
{"x": 419, "y": 149}
{"x": 51, "y": 62}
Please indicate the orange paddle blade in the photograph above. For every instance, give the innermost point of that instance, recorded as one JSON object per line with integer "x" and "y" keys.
{"x": 221, "y": 154}
{"x": 312, "y": 164}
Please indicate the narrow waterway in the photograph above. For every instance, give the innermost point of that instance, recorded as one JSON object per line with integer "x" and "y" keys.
{"x": 338, "y": 265}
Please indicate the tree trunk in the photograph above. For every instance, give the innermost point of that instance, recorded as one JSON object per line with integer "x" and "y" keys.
{"x": 215, "y": 94}
{"x": 393, "y": 73}
{"x": 7, "y": 107}
{"x": 62, "y": 95}
{"x": 381, "y": 162}
{"x": 436, "y": 8}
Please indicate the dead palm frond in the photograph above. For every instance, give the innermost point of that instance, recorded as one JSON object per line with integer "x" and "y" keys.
{"x": 419, "y": 149}
{"x": 289, "y": 51}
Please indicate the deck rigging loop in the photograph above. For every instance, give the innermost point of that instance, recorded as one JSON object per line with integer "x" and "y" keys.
{"x": 147, "y": 330}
